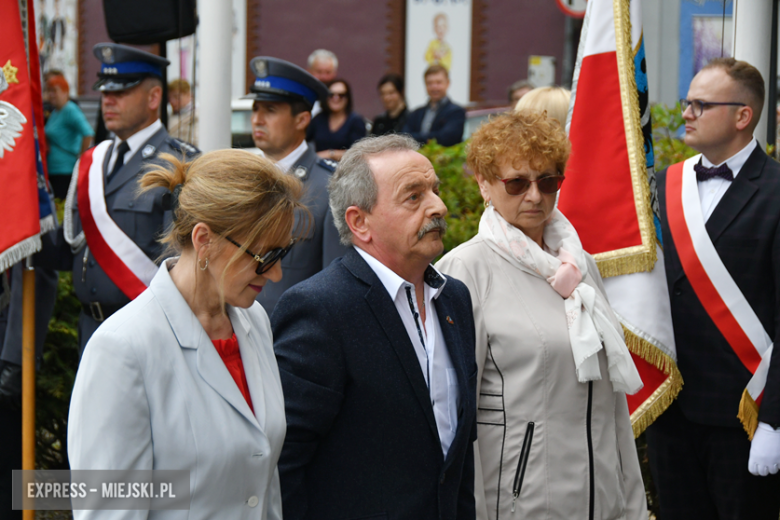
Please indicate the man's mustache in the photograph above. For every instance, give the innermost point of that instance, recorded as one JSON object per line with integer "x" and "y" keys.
{"x": 437, "y": 223}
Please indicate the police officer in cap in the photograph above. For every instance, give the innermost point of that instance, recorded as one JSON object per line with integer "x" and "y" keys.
{"x": 110, "y": 231}
{"x": 284, "y": 95}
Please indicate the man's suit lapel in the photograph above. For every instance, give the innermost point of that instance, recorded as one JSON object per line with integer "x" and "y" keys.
{"x": 734, "y": 200}
{"x": 387, "y": 316}
{"x": 737, "y": 196}
{"x": 448, "y": 321}
{"x": 132, "y": 168}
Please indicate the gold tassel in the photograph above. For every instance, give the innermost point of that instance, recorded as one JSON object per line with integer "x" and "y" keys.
{"x": 748, "y": 414}
{"x": 616, "y": 266}
{"x": 663, "y": 396}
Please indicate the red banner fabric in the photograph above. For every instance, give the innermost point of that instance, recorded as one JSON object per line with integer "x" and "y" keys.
{"x": 598, "y": 138}
{"x": 18, "y": 175}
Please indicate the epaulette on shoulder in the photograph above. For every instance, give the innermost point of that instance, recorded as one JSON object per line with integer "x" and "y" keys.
{"x": 182, "y": 147}
{"x": 328, "y": 164}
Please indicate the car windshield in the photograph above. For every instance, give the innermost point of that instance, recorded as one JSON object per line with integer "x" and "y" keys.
{"x": 241, "y": 128}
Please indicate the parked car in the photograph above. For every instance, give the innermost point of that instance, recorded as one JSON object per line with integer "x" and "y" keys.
{"x": 478, "y": 113}
{"x": 241, "y": 125}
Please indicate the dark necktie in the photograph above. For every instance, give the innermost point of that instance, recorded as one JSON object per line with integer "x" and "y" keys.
{"x": 121, "y": 150}
{"x": 704, "y": 174}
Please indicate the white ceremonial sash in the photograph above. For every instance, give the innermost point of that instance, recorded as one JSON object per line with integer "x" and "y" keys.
{"x": 121, "y": 258}
{"x": 716, "y": 289}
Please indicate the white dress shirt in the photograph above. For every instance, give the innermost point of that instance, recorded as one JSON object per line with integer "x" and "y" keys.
{"x": 288, "y": 162}
{"x": 435, "y": 362}
{"x": 134, "y": 142}
{"x": 712, "y": 190}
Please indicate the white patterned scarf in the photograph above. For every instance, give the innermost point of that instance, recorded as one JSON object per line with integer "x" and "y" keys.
{"x": 587, "y": 311}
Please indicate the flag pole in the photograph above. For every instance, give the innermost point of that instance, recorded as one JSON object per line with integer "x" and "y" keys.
{"x": 28, "y": 373}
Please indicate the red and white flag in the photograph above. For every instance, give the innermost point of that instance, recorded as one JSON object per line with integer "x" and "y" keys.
{"x": 26, "y": 206}
{"x": 610, "y": 194}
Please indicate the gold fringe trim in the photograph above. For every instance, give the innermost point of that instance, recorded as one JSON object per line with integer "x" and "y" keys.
{"x": 640, "y": 258}
{"x": 663, "y": 396}
{"x": 616, "y": 266}
{"x": 748, "y": 414}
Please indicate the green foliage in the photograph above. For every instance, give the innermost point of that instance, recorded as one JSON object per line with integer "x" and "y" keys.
{"x": 668, "y": 148}
{"x": 458, "y": 190}
{"x": 54, "y": 380}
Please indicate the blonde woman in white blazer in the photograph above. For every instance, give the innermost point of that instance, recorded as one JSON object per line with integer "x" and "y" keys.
{"x": 554, "y": 435}
{"x": 162, "y": 383}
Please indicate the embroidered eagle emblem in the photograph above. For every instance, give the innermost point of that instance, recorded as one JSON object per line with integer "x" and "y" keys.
{"x": 11, "y": 122}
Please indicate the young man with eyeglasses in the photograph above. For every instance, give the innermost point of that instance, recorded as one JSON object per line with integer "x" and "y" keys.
{"x": 284, "y": 95}
{"x": 720, "y": 218}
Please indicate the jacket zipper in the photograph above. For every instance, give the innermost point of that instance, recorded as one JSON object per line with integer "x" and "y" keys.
{"x": 590, "y": 451}
{"x": 522, "y": 463}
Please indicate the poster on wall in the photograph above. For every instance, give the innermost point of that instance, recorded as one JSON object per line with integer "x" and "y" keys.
{"x": 57, "y": 32}
{"x": 438, "y": 32}
{"x": 709, "y": 39}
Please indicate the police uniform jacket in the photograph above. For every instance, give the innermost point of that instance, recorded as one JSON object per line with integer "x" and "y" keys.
{"x": 320, "y": 245}
{"x": 142, "y": 217}
{"x": 153, "y": 393}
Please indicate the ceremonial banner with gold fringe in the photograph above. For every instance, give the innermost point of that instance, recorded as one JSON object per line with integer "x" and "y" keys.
{"x": 610, "y": 194}
{"x": 27, "y": 207}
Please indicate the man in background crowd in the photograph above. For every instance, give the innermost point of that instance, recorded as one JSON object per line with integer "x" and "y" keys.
{"x": 440, "y": 119}
{"x": 183, "y": 122}
{"x": 283, "y": 96}
{"x": 323, "y": 65}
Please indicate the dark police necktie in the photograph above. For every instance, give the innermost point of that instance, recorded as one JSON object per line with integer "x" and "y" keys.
{"x": 704, "y": 174}
{"x": 121, "y": 150}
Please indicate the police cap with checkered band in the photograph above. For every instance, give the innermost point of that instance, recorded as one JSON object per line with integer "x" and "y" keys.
{"x": 279, "y": 80}
{"x": 124, "y": 67}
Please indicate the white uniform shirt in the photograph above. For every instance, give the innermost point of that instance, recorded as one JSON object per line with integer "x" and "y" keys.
{"x": 134, "y": 142}
{"x": 712, "y": 190}
{"x": 287, "y": 163}
{"x": 435, "y": 362}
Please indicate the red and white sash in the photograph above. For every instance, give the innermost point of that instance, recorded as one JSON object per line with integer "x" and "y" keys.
{"x": 122, "y": 260}
{"x": 715, "y": 288}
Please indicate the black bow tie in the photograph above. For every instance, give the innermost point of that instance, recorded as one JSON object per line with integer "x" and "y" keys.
{"x": 704, "y": 174}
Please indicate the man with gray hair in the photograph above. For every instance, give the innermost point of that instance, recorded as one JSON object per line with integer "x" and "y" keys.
{"x": 323, "y": 65}
{"x": 376, "y": 354}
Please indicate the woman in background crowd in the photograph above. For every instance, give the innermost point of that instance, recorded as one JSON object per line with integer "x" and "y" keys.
{"x": 554, "y": 434}
{"x": 184, "y": 377}
{"x": 555, "y": 100}
{"x": 68, "y": 134}
{"x": 337, "y": 127}
{"x": 391, "y": 90}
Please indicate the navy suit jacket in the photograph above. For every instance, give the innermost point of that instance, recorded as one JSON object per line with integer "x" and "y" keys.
{"x": 745, "y": 229}
{"x": 447, "y": 126}
{"x": 361, "y": 437}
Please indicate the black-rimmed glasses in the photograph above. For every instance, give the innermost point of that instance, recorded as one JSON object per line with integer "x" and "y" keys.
{"x": 267, "y": 261}
{"x": 519, "y": 185}
{"x": 698, "y": 106}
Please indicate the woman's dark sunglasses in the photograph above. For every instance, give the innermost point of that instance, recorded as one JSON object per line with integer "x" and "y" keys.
{"x": 519, "y": 185}
{"x": 267, "y": 261}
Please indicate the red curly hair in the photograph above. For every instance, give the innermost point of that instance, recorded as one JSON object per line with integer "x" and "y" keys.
{"x": 515, "y": 137}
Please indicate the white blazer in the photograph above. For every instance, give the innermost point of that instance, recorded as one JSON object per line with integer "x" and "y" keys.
{"x": 152, "y": 392}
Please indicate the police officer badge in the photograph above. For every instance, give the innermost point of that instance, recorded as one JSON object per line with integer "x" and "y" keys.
{"x": 148, "y": 151}
{"x": 300, "y": 172}
{"x": 261, "y": 68}
{"x": 108, "y": 55}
